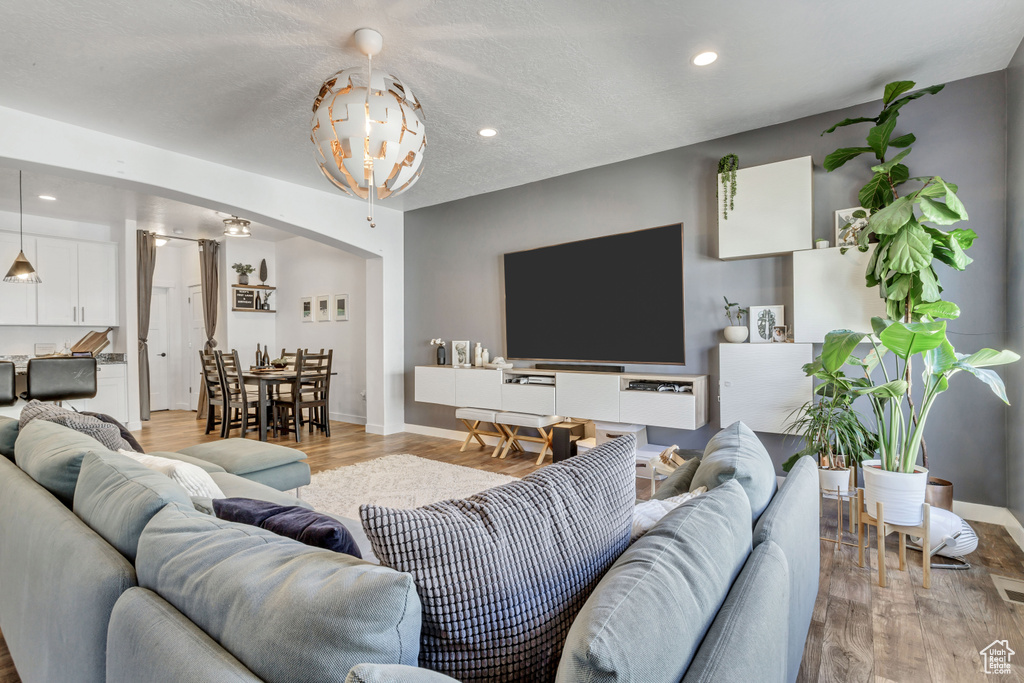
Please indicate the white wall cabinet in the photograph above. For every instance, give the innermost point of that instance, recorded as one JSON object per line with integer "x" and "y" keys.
{"x": 829, "y": 293}
{"x": 773, "y": 210}
{"x": 762, "y": 384}
{"x": 478, "y": 388}
{"x": 78, "y": 283}
{"x": 435, "y": 384}
{"x": 17, "y": 301}
{"x": 587, "y": 396}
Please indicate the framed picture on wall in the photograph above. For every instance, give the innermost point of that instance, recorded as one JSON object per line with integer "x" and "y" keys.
{"x": 340, "y": 307}
{"x": 849, "y": 223}
{"x": 244, "y": 299}
{"x": 764, "y": 320}
{"x": 460, "y": 353}
{"x": 307, "y": 309}
{"x": 323, "y": 308}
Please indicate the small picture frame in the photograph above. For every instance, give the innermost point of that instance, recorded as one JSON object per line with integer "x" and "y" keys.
{"x": 245, "y": 299}
{"x": 307, "y": 309}
{"x": 780, "y": 334}
{"x": 460, "y": 354}
{"x": 763, "y": 321}
{"x": 849, "y": 223}
{"x": 323, "y": 308}
{"x": 340, "y": 307}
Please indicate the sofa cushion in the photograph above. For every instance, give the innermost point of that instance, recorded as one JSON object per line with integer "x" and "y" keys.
{"x": 502, "y": 574}
{"x": 235, "y": 486}
{"x": 242, "y": 456}
{"x": 52, "y": 455}
{"x": 194, "y": 479}
{"x": 791, "y": 521}
{"x": 8, "y": 435}
{"x": 736, "y": 453}
{"x": 117, "y": 497}
{"x": 291, "y": 521}
{"x": 678, "y": 482}
{"x": 747, "y": 640}
{"x": 394, "y": 673}
{"x": 648, "y": 615}
{"x": 286, "y": 611}
{"x": 208, "y": 466}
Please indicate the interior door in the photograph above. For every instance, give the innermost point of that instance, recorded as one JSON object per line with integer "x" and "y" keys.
{"x": 159, "y": 362}
{"x": 57, "y": 292}
{"x": 196, "y": 339}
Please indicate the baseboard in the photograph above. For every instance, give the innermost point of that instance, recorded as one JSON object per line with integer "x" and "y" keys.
{"x": 456, "y": 435}
{"x": 351, "y": 419}
{"x": 975, "y": 512}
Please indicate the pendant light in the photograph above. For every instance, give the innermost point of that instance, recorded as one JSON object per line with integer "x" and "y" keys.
{"x": 369, "y": 139}
{"x": 22, "y": 270}
{"x": 236, "y": 227}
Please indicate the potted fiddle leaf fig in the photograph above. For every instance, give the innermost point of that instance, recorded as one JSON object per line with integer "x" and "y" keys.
{"x": 895, "y": 478}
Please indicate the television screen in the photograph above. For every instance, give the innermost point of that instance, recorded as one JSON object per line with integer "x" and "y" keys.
{"x": 614, "y": 299}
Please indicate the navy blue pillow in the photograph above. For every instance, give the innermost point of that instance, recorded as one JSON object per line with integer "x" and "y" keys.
{"x": 302, "y": 524}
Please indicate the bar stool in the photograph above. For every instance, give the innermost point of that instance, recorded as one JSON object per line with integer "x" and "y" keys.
{"x": 510, "y": 423}
{"x": 473, "y": 418}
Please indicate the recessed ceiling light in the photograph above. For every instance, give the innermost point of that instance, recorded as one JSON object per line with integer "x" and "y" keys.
{"x": 705, "y": 58}
{"x": 487, "y": 132}
{"x": 48, "y": 197}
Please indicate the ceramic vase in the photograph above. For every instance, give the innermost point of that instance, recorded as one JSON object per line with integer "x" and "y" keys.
{"x": 901, "y": 494}
{"x": 243, "y": 279}
{"x": 736, "y": 334}
{"x": 830, "y": 480}
{"x": 442, "y": 356}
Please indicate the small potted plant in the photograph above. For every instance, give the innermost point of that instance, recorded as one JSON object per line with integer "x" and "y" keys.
{"x": 736, "y": 332}
{"x": 243, "y": 270}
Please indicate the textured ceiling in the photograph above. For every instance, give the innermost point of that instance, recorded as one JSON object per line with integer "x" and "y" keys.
{"x": 92, "y": 203}
{"x": 569, "y": 85}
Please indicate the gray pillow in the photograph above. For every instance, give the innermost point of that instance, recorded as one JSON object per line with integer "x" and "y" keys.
{"x": 502, "y": 574}
{"x": 736, "y": 453}
{"x": 117, "y": 497}
{"x": 648, "y": 615}
{"x": 678, "y": 482}
{"x": 107, "y": 434}
{"x": 288, "y": 612}
{"x": 52, "y": 456}
{"x": 8, "y": 435}
{"x": 37, "y": 410}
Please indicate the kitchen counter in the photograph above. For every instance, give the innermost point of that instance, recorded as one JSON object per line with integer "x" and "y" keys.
{"x": 21, "y": 362}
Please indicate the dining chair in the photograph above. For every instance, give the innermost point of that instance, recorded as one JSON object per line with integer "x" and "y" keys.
{"x": 310, "y": 391}
{"x": 240, "y": 409}
{"x": 210, "y": 369}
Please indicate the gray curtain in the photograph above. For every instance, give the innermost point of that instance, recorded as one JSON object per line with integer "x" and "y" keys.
{"x": 209, "y": 252}
{"x": 145, "y": 263}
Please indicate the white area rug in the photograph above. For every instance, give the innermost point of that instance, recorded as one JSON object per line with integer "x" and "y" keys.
{"x": 397, "y": 481}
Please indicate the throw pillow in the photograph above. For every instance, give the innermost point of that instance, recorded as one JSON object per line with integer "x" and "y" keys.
{"x": 37, "y": 410}
{"x": 129, "y": 438}
{"x": 8, "y": 435}
{"x": 501, "y": 575}
{"x": 107, "y": 434}
{"x": 678, "y": 482}
{"x": 302, "y": 524}
{"x": 647, "y": 513}
{"x": 736, "y": 453}
{"x": 52, "y": 456}
{"x": 194, "y": 479}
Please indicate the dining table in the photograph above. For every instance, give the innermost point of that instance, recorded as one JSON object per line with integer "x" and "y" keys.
{"x": 265, "y": 379}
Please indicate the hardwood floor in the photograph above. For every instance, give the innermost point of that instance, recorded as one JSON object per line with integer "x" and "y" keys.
{"x": 859, "y": 631}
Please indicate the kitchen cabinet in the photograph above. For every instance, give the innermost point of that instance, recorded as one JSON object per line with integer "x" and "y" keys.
{"x": 17, "y": 300}
{"x": 111, "y": 393}
{"x": 78, "y": 283}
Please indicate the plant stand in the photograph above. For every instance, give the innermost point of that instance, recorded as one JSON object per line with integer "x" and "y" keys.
{"x": 850, "y": 497}
{"x": 866, "y": 519}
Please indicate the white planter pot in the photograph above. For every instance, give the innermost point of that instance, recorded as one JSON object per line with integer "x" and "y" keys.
{"x": 901, "y": 494}
{"x": 736, "y": 334}
{"x": 830, "y": 480}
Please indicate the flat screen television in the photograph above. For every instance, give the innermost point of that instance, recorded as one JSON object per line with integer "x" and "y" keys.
{"x": 613, "y": 299}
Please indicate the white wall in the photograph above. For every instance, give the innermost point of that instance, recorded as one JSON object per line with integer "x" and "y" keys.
{"x": 307, "y": 268}
{"x": 244, "y": 330}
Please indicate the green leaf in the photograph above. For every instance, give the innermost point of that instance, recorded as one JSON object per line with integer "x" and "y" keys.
{"x": 895, "y": 89}
{"x": 848, "y": 122}
{"x": 989, "y": 377}
{"x": 879, "y": 325}
{"x": 903, "y": 141}
{"x": 811, "y": 369}
{"x": 897, "y": 388}
{"x": 953, "y": 202}
{"x": 931, "y": 290}
{"x": 909, "y": 339}
{"x": 878, "y": 137}
{"x": 930, "y": 90}
{"x": 842, "y": 155}
{"x": 939, "y": 360}
{"x": 873, "y": 358}
{"x": 877, "y": 193}
{"x": 893, "y": 217}
{"x": 898, "y": 288}
{"x": 937, "y": 213}
{"x": 839, "y": 344}
{"x": 964, "y": 236}
{"x": 936, "y": 188}
{"x": 899, "y": 174}
{"x": 939, "y": 309}
{"x": 911, "y": 249}
{"x": 989, "y": 357}
{"x": 888, "y": 166}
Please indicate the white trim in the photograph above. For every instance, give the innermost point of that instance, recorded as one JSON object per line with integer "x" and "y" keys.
{"x": 992, "y": 515}
{"x": 456, "y": 435}
{"x": 350, "y": 419}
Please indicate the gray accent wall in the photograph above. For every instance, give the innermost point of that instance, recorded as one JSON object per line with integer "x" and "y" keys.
{"x": 453, "y": 256}
{"x": 1015, "y": 279}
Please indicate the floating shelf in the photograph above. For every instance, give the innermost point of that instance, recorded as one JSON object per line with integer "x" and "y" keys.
{"x": 253, "y": 310}
{"x": 252, "y": 287}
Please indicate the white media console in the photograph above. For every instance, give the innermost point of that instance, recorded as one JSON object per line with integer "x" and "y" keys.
{"x": 603, "y": 396}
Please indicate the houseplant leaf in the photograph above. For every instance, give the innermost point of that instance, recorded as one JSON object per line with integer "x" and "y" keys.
{"x": 848, "y": 122}
{"x": 839, "y": 344}
{"x": 988, "y": 357}
{"x": 953, "y": 202}
{"x": 903, "y": 141}
{"x": 878, "y": 136}
{"x": 897, "y": 388}
{"x": 899, "y": 287}
{"x": 893, "y": 217}
{"x": 989, "y": 377}
{"x": 934, "y": 186}
{"x": 938, "y": 213}
{"x": 895, "y": 89}
{"x": 876, "y": 193}
{"x": 909, "y": 339}
{"x": 911, "y": 249}
{"x": 939, "y": 360}
{"x": 841, "y": 156}
{"x": 965, "y": 236}
{"x": 939, "y": 309}
{"x": 931, "y": 291}
{"x": 889, "y": 165}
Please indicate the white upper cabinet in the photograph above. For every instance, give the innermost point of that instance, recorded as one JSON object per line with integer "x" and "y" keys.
{"x": 773, "y": 210}
{"x": 78, "y": 283}
{"x": 17, "y": 301}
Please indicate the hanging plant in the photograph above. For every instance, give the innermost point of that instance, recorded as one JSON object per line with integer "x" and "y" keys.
{"x": 727, "y": 167}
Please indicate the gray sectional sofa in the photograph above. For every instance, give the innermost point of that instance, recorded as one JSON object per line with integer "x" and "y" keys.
{"x": 720, "y": 589}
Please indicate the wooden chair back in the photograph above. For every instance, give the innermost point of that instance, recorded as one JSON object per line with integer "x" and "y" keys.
{"x": 210, "y": 369}
{"x": 313, "y": 371}
{"x": 231, "y": 375}
{"x": 290, "y": 357}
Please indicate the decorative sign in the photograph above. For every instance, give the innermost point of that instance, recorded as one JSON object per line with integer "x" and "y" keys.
{"x": 245, "y": 299}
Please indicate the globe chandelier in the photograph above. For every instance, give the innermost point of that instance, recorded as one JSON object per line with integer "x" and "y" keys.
{"x": 368, "y": 129}
{"x": 236, "y": 227}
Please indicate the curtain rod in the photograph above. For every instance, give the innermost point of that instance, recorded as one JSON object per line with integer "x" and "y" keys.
{"x": 175, "y": 237}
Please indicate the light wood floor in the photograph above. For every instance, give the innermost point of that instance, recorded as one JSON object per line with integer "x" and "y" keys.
{"x": 860, "y": 632}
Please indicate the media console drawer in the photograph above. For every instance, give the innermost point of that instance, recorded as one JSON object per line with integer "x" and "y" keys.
{"x": 658, "y": 409}
{"x": 537, "y": 399}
